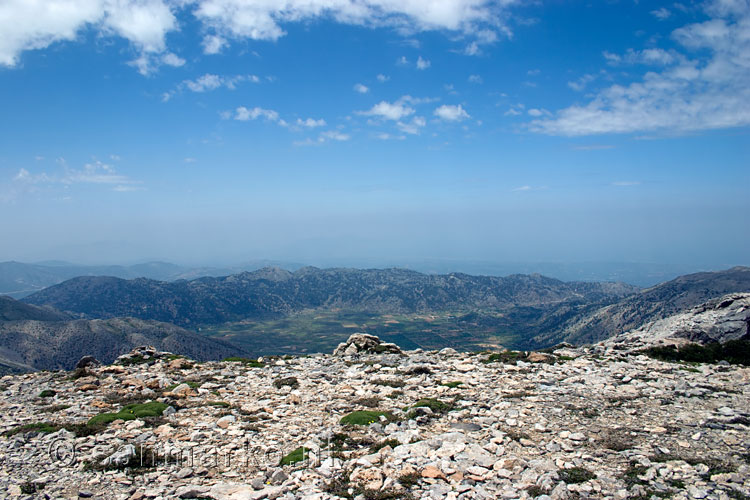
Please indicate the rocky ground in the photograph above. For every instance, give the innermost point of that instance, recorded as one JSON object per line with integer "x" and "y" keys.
{"x": 590, "y": 422}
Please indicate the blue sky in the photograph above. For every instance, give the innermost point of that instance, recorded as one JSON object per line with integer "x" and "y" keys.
{"x": 327, "y": 131}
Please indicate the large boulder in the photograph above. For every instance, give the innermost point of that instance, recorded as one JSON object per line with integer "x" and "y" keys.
{"x": 362, "y": 343}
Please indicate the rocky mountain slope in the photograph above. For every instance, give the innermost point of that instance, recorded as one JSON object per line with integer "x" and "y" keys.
{"x": 592, "y": 324}
{"x": 40, "y": 338}
{"x": 719, "y": 320}
{"x": 589, "y": 422}
{"x": 273, "y": 292}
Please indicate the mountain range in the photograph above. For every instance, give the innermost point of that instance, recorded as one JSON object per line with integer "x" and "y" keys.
{"x": 274, "y": 292}
{"x": 256, "y": 311}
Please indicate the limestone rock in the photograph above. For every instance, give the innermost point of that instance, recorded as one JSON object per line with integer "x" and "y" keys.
{"x": 362, "y": 343}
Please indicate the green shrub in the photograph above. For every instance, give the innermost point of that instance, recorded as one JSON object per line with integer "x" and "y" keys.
{"x": 510, "y": 357}
{"x": 219, "y": 404}
{"x": 576, "y": 475}
{"x": 389, "y": 383}
{"x": 288, "y": 381}
{"x": 252, "y": 363}
{"x": 130, "y": 412}
{"x": 135, "y": 360}
{"x": 371, "y": 402}
{"x": 28, "y": 488}
{"x": 297, "y": 455}
{"x": 409, "y": 479}
{"x": 734, "y": 352}
{"x": 47, "y": 393}
{"x": 388, "y": 442}
{"x": 452, "y": 385}
{"x": 43, "y": 427}
{"x": 433, "y": 404}
{"x": 54, "y": 408}
{"x": 364, "y": 417}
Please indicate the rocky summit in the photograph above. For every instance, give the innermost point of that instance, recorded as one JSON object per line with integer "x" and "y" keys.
{"x": 573, "y": 422}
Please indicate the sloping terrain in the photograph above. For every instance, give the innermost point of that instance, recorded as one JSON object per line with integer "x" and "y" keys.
{"x": 13, "y": 310}
{"x": 34, "y": 337}
{"x": 658, "y": 302}
{"x": 590, "y": 422}
{"x": 56, "y": 345}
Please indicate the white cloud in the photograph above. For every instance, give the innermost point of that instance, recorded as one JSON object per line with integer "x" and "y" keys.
{"x": 451, "y": 113}
{"x": 475, "y": 79}
{"x": 334, "y": 135}
{"x": 362, "y": 89}
{"x": 96, "y": 172}
{"x": 522, "y": 188}
{"x": 661, "y": 13}
{"x": 262, "y": 20}
{"x": 535, "y": 112}
{"x": 204, "y": 83}
{"x": 390, "y": 111}
{"x": 402, "y": 61}
{"x": 213, "y": 44}
{"x": 704, "y": 88}
{"x": 311, "y": 123}
{"x": 209, "y": 82}
{"x": 29, "y": 25}
{"x": 413, "y": 126}
{"x": 580, "y": 84}
{"x": 423, "y": 63}
{"x": 173, "y": 60}
{"x": 515, "y": 110}
{"x": 646, "y": 56}
{"x": 244, "y": 114}
{"x": 383, "y": 78}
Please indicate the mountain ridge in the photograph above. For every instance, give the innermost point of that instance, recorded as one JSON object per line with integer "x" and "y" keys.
{"x": 272, "y": 292}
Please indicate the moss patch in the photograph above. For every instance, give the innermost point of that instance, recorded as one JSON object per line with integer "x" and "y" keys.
{"x": 364, "y": 417}
{"x": 452, "y": 385}
{"x": 297, "y": 455}
{"x": 130, "y": 412}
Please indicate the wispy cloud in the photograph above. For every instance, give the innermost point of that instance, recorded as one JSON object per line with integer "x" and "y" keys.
{"x": 96, "y": 172}
{"x": 626, "y": 183}
{"x": 423, "y": 63}
{"x": 707, "y": 91}
{"x": 244, "y": 114}
{"x": 209, "y": 82}
{"x": 362, "y": 89}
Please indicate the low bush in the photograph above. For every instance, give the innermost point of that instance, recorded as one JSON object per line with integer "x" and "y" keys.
{"x": 288, "y": 381}
{"x": 252, "y": 363}
{"x": 365, "y": 417}
{"x": 734, "y": 352}
{"x": 295, "y": 456}
{"x": 576, "y": 475}
{"x": 130, "y": 412}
